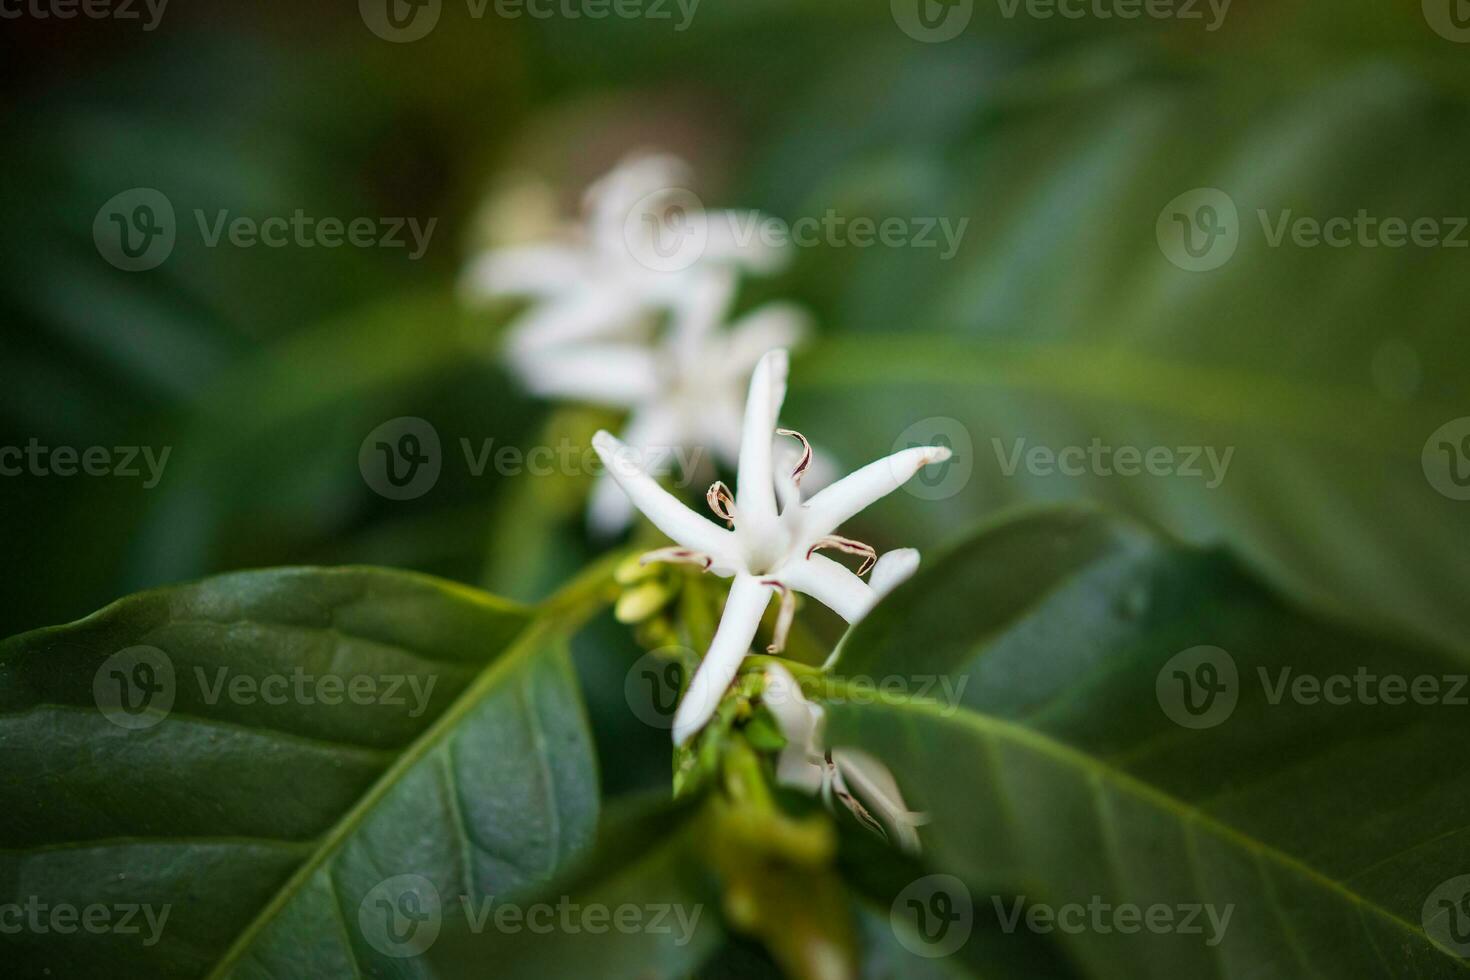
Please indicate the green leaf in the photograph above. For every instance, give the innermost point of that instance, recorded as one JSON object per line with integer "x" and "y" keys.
{"x": 1059, "y": 772}
{"x": 1060, "y": 321}
{"x": 645, "y": 867}
{"x": 251, "y": 807}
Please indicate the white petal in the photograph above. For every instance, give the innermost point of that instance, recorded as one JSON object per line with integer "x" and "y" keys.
{"x": 529, "y": 270}
{"x": 830, "y": 584}
{"x": 892, "y": 570}
{"x": 621, "y": 375}
{"x": 800, "y": 764}
{"x": 829, "y": 508}
{"x": 879, "y": 790}
{"x": 698, "y": 312}
{"x": 738, "y": 624}
{"x": 768, "y": 327}
{"x": 662, "y": 508}
{"x": 579, "y": 316}
{"x": 734, "y": 237}
{"x": 609, "y": 511}
{"x": 755, "y": 492}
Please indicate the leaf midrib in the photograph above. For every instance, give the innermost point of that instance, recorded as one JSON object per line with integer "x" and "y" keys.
{"x": 526, "y": 642}
{"x": 1093, "y": 768}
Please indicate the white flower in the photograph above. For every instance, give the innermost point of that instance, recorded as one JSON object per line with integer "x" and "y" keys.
{"x": 602, "y": 280}
{"x": 768, "y": 550}
{"x": 806, "y": 765}
{"x": 684, "y": 393}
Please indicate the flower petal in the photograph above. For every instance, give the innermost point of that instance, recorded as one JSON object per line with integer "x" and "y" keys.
{"x": 893, "y": 569}
{"x": 766, "y": 328}
{"x": 755, "y": 493}
{"x": 526, "y": 270}
{"x": 874, "y": 782}
{"x": 830, "y": 584}
{"x": 738, "y": 624}
{"x": 829, "y": 508}
{"x": 608, "y": 509}
{"x": 800, "y": 764}
{"x": 583, "y": 315}
{"x": 662, "y": 508}
{"x": 620, "y": 375}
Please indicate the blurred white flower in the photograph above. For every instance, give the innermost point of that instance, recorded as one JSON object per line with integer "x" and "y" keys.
{"x": 768, "y": 550}
{"x": 643, "y": 236}
{"x": 807, "y": 765}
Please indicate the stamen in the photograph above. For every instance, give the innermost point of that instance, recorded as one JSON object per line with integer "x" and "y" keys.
{"x": 851, "y": 547}
{"x": 683, "y": 555}
{"x": 721, "y": 501}
{"x": 783, "y": 617}
{"x": 839, "y": 789}
{"x": 806, "y": 454}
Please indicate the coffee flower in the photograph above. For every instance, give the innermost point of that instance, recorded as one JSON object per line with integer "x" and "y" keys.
{"x": 642, "y": 239}
{"x": 851, "y": 776}
{"x": 766, "y": 549}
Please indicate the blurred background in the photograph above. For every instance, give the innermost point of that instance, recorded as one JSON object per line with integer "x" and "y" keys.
{"x": 1333, "y": 373}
